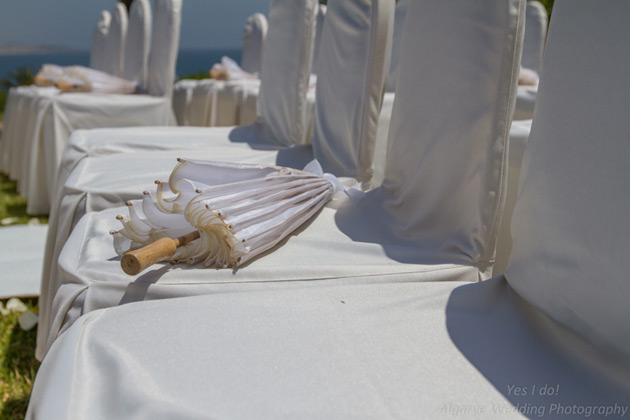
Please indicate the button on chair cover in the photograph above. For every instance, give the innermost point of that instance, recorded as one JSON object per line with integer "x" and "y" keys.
{"x": 254, "y": 34}
{"x": 138, "y": 42}
{"x": 570, "y": 227}
{"x": 99, "y": 40}
{"x": 324, "y": 251}
{"x": 167, "y": 17}
{"x": 114, "y": 50}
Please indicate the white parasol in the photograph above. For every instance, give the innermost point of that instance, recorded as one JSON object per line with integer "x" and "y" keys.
{"x": 83, "y": 79}
{"x": 220, "y": 214}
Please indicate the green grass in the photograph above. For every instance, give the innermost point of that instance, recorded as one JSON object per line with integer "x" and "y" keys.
{"x": 12, "y": 206}
{"x": 18, "y": 365}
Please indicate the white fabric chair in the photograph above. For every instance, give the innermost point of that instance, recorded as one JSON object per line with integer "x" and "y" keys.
{"x": 569, "y": 224}
{"x": 114, "y": 49}
{"x": 296, "y": 23}
{"x": 321, "y": 14}
{"x": 254, "y": 34}
{"x": 436, "y": 349}
{"x": 535, "y": 35}
{"x": 531, "y": 59}
{"x": 399, "y": 22}
{"x": 60, "y": 115}
{"x": 358, "y": 242}
{"x": 138, "y": 42}
{"x": 16, "y": 119}
{"x": 84, "y": 191}
{"x": 99, "y": 40}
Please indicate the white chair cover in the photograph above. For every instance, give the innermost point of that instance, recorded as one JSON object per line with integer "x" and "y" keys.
{"x": 284, "y": 114}
{"x": 349, "y": 97}
{"x": 215, "y": 138}
{"x": 89, "y": 278}
{"x": 535, "y": 35}
{"x": 399, "y": 22}
{"x": 306, "y": 350}
{"x": 321, "y": 14}
{"x": 445, "y": 177}
{"x": 254, "y": 34}
{"x": 164, "y": 45}
{"x": 99, "y": 40}
{"x": 570, "y": 223}
{"x": 114, "y": 51}
{"x": 138, "y": 42}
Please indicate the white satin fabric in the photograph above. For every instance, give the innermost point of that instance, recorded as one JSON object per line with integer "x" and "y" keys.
{"x": 570, "y": 224}
{"x": 399, "y": 22}
{"x": 21, "y": 256}
{"x": 291, "y": 29}
{"x": 99, "y": 40}
{"x": 114, "y": 51}
{"x": 321, "y": 14}
{"x": 316, "y": 350}
{"x": 349, "y": 97}
{"x": 535, "y": 35}
{"x": 138, "y": 42}
{"x": 52, "y": 119}
{"x": 167, "y": 17}
{"x": 339, "y": 244}
{"x": 254, "y": 33}
{"x": 82, "y": 194}
{"x": 531, "y": 59}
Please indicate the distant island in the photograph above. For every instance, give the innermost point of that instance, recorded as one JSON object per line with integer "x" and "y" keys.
{"x": 14, "y": 49}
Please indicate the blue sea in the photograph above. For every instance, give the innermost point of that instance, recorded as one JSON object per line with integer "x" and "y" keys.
{"x": 188, "y": 61}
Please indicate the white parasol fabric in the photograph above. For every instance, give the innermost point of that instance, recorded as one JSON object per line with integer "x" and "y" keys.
{"x": 229, "y": 69}
{"x": 240, "y": 211}
{"x": 83, "y": 79}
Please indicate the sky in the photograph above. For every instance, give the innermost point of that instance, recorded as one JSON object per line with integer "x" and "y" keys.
{"x": 69, "y": 23}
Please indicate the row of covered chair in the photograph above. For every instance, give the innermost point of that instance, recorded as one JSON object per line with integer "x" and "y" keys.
{"x": 39, "y": 120}
{"x": 375, "y": 308}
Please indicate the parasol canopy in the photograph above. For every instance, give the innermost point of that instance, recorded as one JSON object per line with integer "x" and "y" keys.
{"x": 221, "y": 214}
{"x": 83, "y": 79}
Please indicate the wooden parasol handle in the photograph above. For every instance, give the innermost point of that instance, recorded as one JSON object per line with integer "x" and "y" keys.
{"x": 133, "y": 262}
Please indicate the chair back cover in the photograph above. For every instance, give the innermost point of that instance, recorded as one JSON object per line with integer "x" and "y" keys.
{"x": 399, "y": 22}
{"x": 319, "y": 26}
{"x": 354, "y": 61}
{"x": 570, "y": 224}
{"x": 99, "y": 41}
{"x": 138, "y": 42}
{"x": 114, "y": 51}
{"x": 164, "y": 45}
{"x": 535, "y": 35}
{"x": 285, "y": 70}
{"x": 446, "y": 167}
{"x": 254, "y": 34}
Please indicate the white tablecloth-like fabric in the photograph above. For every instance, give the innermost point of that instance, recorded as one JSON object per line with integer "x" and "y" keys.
{"x": 53, "y": 120}
{"x": 371, "y": 350}
{"x": 333, "y": 247}
{"x": 570, "y": 223}
{"x": 369, "y": 236}
{"x": 21, "y": 256}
